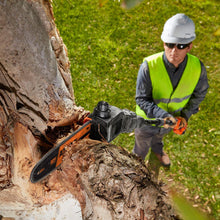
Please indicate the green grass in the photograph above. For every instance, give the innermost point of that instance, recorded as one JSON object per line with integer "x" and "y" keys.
{"x": 107, "y": 44}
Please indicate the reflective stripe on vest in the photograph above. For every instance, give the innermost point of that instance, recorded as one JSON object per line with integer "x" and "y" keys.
{"x": 172, "y": 101}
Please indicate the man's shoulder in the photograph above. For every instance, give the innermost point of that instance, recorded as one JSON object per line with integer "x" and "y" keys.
{"x": 154, "y": 56}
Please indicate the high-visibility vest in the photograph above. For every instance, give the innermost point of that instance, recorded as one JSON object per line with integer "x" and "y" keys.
{"x": 172, "y": 101}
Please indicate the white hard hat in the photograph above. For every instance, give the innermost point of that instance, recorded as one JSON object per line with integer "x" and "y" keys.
{"x": 179, "y": 29}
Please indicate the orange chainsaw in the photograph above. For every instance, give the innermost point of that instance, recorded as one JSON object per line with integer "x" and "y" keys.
{"x": 104, "y": 124}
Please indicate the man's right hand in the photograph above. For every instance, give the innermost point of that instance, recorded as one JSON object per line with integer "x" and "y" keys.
{"x": 169, "y": 122}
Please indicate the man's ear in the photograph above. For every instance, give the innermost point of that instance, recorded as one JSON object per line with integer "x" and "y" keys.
{"x": 190, "y": 47}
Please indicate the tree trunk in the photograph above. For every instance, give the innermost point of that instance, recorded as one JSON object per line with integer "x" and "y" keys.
{"x": 37, "y": 109}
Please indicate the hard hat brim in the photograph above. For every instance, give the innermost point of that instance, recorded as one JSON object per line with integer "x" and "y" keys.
{"x": 176, "y": 40}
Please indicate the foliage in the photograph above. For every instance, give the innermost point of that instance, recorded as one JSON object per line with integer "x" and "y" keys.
{"x": 106, "y": 45}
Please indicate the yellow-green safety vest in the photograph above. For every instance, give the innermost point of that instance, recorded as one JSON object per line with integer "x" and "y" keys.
{"x": 172, "y": 101}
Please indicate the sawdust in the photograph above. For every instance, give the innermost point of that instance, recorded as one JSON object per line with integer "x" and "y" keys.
{"x": 65, "y": 208}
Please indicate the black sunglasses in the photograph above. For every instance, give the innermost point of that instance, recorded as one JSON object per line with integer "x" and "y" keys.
{"x": 179, "y": 46}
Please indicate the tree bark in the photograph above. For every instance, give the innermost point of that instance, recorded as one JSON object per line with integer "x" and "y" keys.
{"x": 38, "y": 109}
{"x": 113, "y": 183}
{"x": 35, "y": 90}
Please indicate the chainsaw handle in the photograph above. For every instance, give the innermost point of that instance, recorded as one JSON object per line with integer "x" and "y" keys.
{"x": 155, "y": 122}
{"x": 158, "y": 122}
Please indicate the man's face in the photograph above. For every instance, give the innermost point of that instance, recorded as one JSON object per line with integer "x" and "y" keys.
{"x": 175, "y": 55}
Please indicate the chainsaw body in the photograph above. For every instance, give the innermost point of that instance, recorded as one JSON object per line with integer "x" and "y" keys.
{"x": 105, "y": 123}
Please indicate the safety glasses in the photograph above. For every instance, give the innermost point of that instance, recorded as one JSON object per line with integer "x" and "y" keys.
{"x": 179, "y": 46}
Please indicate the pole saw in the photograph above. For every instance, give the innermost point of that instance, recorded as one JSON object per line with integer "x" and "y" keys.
{"x": 105, "y": 123}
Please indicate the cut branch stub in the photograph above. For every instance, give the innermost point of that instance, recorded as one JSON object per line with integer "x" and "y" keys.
{"x": 111, "y": 183}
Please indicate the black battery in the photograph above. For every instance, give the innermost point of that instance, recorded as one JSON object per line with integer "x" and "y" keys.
{"x": 106, "y": 122}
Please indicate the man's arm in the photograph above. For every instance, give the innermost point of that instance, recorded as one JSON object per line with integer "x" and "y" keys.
{"x": 198, "y": 95}
{"x": 144, "y": 94}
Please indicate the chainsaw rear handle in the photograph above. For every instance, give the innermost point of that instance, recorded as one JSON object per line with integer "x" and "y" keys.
{"x": 180, "y": 128}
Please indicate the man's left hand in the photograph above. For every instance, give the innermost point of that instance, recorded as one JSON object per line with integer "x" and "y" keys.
{"x": 169, "y": 125}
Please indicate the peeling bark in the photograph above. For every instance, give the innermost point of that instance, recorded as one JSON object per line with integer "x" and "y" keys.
{"x": 35, "y": 75}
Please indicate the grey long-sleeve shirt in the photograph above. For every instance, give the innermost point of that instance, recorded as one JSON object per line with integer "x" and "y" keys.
{"x": 144, "y": 90}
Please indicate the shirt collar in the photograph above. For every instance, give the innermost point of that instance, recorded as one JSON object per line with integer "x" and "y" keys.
{"x": 170, "y": 65}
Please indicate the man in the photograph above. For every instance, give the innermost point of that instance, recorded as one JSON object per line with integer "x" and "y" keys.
{"x": 169, "y": 84}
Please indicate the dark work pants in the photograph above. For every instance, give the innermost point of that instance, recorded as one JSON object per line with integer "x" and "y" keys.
{"x": 149, "y": 137}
